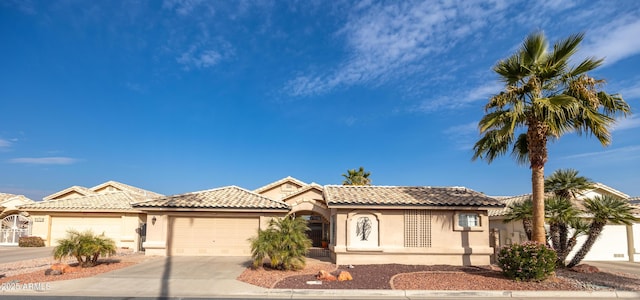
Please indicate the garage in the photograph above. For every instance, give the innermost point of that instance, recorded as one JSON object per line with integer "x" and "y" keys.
{"x": 110, "y": 226}
{"x": 201, "y": 236}
{"x": 611, "y": 245}
{"x": 207, "y": 223}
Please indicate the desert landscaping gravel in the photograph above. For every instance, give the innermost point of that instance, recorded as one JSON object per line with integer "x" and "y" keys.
{"x": 439, "y": 277}
{"x": 32, "y": 271}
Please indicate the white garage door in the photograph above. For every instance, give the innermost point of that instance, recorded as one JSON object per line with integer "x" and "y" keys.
{"x": 610, "y": 246}
{"x": 197, "y": 236}
{"x": 111, "y": 226}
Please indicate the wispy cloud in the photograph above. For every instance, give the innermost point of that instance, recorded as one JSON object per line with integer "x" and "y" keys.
{"x": 388, "y": 42}
{"x": 4, "y": 144}
{"x": 44, "y": 160}
{"x": 615, "y": 41}
{"x": 186, "y": 7}
{"x": 25, "y": 6}
{"x": 631, "y": 92}
{"x": 460, "y": 99}
{"x": 200, "y": 59}
{"x": 626, "y": 123}
{"x": 463, "y": 135}
{"x": 629, "y": 152}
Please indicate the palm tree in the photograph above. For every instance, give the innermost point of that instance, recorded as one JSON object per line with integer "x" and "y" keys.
{"x": 521, "y": 211}
{"x": 604, "y": 209}
{"x": 359, "y": 177}
{"x": 566, "y": 183}
{"x": 560, "y": 215}
{"x": 543, "y": 99}
{"x": 284, "y": 243}
{"x": 86, "y": 247}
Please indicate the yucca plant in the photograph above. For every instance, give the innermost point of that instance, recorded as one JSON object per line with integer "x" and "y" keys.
{"x": 85, "y": 246}
{"x": 284, "y": 243}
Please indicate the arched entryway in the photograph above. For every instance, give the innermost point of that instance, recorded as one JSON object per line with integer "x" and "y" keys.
{"x": 318, "y": 228}
{"x": 13, "y": 227}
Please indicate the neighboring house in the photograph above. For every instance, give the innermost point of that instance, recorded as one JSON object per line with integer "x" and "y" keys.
{"x": 616, "y": 242}
{"x": 364, "y": 224}
{"x": 14, "y": 224}
{"x": 104, "y": 209}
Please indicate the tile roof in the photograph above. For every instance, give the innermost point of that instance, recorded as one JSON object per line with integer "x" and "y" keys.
{"x": 103, "y": 201}
{"x": 507, "y": 201}
{"x": 4, "y": 197}
{"x": 82, "y": 191}
{"x": 141, "y": 194}
{"x": 137, "y": 193}
{"x": 303, "y": 190}
{"x": 224, "y": 197}
{"x": 406, "y": 196}
{"x": 279, "y": 182}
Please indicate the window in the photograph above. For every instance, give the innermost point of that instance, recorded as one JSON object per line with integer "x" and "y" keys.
{"x": 417, "y": 228}
{"x": 468, "y": 220}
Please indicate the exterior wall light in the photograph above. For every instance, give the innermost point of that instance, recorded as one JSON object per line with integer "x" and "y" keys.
{"x": 153, "y": 220}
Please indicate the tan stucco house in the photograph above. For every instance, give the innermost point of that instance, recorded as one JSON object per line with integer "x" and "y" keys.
{"x": 363, "y": 225}
{"x": 616, "y": 242}
{"x": 105, "y": 208}
{"x": 358, "y": 224}
{"x": 14, "y": 223}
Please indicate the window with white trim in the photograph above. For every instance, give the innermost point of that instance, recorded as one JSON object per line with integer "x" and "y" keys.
{"x": 468, "y": 220}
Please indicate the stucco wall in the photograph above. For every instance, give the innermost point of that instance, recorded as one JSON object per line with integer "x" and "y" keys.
{"x": 386, "y": 244}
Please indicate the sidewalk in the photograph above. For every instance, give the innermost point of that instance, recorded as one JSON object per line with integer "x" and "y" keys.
{"x": 204, "y": 277}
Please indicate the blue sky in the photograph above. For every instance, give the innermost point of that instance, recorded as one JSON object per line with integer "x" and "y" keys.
{"x": 178, "y": 96}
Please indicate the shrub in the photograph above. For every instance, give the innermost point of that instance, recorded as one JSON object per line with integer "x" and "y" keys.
{"x": 528, "y": 261}
{"x": 284, "y": 242}
{"x": 86, "y": 247}
{"x": 30, "y": 241}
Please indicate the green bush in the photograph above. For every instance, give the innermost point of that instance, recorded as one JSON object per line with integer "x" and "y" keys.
{"x": 86, "y": 247}
{"x": 528, "y": 261}
{"x": 30, "y": 241}
{"x": 284, "y": 243}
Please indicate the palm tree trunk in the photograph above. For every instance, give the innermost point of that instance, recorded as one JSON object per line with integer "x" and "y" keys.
{"x": 537, "y": 180}
{"x": 537, "y": 146}
{"x": 594, "y": 231}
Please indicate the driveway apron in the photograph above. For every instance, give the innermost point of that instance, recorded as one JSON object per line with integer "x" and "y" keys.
{"x": 166, "y": 277}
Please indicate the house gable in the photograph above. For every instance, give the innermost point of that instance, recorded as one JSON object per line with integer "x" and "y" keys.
{"x": 70, "y": 192}
{"x": 282, "y": 188}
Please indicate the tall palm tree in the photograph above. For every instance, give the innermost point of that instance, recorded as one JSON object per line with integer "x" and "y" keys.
{"x": 521, "y": 211}
{"x": 543, "y": 99}
{"x": 604, "y": 209}
{"x": 566, "y": 183}
{"x": 357, "y": 177}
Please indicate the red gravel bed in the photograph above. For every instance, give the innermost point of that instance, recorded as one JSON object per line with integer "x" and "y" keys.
{"x": 438, "y": 277}
{"x": 32, "y": 271}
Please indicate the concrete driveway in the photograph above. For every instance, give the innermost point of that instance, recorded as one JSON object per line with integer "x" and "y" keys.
{"x": 165, "y": 277}
{"x": 14, "y": 253}
{"x": 616, "y": 266}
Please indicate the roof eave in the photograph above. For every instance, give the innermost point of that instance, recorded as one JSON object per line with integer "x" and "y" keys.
{"x": 213, "y": 209}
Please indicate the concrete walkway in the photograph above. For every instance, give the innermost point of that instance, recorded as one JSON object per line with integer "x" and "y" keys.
{"x": 207, "y": 277}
